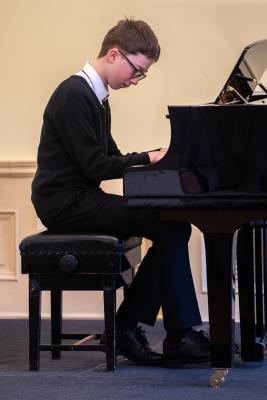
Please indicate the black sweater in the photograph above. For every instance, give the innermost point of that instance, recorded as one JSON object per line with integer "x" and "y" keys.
{"x": 76, "y": 150}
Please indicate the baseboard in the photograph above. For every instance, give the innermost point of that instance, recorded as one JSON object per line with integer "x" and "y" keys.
{"x": 80, "y": 316}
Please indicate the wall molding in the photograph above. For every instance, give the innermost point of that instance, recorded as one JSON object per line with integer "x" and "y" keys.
{"x": 17, "y": 169}
{"x": 8, "y": 245}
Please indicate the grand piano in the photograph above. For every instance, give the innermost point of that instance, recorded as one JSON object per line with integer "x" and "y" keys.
{"x": 214, "y": 176}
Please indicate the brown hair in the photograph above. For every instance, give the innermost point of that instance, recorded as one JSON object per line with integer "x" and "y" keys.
{"x": 132, "y": 37}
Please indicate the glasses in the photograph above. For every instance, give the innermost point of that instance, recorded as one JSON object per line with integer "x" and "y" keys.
{"x": 137, "y": 74}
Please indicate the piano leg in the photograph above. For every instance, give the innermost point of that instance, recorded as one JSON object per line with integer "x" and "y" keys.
{"x": 247, "y": 253}
{"x": 258, "y": 251}
{"x": 218, "y": 227}
{"x": 221, "y": 300}
{"x": 265, "y": 285}
{"x": 261, "y": 282}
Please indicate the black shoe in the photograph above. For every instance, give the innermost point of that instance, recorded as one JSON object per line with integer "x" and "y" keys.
{"x": 193, "y": 349}
{"x": 134, "y": 346}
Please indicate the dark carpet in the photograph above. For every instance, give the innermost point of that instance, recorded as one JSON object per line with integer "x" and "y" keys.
{"x": 82, "y": 375}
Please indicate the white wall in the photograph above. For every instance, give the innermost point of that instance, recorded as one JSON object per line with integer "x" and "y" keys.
{"x": 44, "y": 41}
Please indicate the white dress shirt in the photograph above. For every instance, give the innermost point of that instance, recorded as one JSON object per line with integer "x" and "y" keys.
{"x": 94, "y": 81}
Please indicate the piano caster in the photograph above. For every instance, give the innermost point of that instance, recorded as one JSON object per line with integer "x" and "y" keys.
{"x": 259, "y": 351}
{"x": 218, "y": 377}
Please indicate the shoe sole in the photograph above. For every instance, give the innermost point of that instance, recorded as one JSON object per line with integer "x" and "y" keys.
{"x": 186, "y": 363}
{"x": 140, "y": 362}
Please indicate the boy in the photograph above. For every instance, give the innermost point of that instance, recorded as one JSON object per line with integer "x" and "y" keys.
{"x": 75, "y": 154}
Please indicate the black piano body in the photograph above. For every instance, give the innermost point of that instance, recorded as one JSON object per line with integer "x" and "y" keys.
{"x": 216, "y": 153}
{"x": 214, "y": 175}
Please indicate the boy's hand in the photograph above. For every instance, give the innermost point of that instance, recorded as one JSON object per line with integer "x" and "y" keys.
{"x": 157, "y": 155}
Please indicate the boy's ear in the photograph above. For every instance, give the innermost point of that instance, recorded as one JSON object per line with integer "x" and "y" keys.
{"x": 112, "y": 54}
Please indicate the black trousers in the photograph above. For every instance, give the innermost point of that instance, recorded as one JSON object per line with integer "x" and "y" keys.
{"x": 164, "y": 277}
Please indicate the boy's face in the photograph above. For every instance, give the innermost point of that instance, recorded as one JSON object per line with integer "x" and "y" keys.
{"x": 127, "y": 69}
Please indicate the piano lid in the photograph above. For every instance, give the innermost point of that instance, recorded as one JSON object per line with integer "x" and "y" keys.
{"x": 248, "y": 81}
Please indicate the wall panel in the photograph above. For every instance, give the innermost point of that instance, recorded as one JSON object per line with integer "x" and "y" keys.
{"x": 8, "y": 243}
{"x": 18, "y": 219}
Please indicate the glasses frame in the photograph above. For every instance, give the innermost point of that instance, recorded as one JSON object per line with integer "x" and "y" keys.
{"x": 137, "y": 73}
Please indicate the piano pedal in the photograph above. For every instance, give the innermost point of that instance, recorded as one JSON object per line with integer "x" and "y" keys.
{"x": 263, "y": 338}
{"x": 218, "y": 377}
{"x": 237, "y": 349}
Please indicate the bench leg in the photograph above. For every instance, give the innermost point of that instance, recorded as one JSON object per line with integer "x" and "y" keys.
{"x": 56, "y": 320}
{"x": 109, "y": 312}
{"x": 34, "y": 322}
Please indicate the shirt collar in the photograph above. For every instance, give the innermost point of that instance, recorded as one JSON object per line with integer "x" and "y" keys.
{"x": 94, "y": 81}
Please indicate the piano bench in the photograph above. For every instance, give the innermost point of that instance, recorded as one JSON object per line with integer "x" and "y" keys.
{"x": 58, "y": 262}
